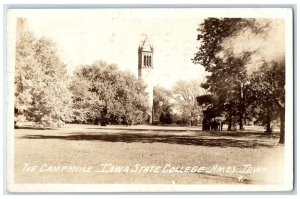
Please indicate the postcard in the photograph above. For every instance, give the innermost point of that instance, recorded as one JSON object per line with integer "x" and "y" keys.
{"x": 149, "y": 100}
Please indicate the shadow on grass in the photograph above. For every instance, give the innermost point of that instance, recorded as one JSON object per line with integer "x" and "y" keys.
{"x": 33, "y": 128}
{"x": 258, "y": 134}
{"x": 238, "y": 133}
{"x": 224, "y": 133}
{"x": 154, "y": 138}
{"x": 149, "y": 129}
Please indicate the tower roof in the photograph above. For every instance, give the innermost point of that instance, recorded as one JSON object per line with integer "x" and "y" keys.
{"x": 145, "y": 45}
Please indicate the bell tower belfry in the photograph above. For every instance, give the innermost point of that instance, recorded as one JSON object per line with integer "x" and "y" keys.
{"x": 145, "y": 70}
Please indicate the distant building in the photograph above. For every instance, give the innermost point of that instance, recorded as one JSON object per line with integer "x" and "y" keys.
{"x": 145, "y": 70}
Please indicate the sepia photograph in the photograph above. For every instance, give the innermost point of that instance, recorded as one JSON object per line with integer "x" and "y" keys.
{"x": 149, "y": 100}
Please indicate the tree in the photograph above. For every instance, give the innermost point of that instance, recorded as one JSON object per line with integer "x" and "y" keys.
{"x": 162, "y": 105}
{"x": 42, "y": 95}
{"x": 266, "y": 65}
{"x": 185, "y": 93}
{"x": 210, "y": 105}
{"x": 228, "y": 53}
{"x": 268, "y": 85}
{"x": 102, "y": 94}
{"x": 260, "y": 108}
{"x": 231, "y": 72}
{"x": 224, "y": 68}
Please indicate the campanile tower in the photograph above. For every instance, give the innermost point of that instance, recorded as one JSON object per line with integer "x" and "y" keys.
{"x": 145, "y": 67}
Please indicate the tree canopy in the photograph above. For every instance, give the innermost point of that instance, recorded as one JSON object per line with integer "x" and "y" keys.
{"x": 185, "y": 93}
{"x": 162, "y": 106}
{"x": 42, "y": 96}
{"x": 235, "y": 52}
{"x": 103, "y": 94}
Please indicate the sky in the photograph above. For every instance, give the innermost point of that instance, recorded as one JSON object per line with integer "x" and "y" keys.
{"x": 84, "y": 36}
{"x": 113, "y": 35}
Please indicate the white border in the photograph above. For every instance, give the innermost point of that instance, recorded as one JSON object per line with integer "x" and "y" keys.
{"x": 164, "y": 188}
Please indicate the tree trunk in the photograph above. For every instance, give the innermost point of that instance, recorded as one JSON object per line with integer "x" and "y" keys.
{"x": 241, "y": 107}
{"x": 229, "y": 120}
{"x": 268, "y": 122}
{"x": 241, "y": 121}
{"x": 282, "y": 124}
{"x": 269, "y": 130}
{"x": 190, "y": 118}
{"x": 246, "y": 122}
{"x": 15, "y": 122}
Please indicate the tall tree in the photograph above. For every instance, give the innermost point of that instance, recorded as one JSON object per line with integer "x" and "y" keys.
{"x": 224, "y": 68}
{"x": 162, "y": 105}
{"x": 268, "y": 84}
{"x": 102, "y": 93}
{"x": 231, "y": 49}
{"x": 264, "y": 39}
{"x": 185, "y": 93}
{"x": 42, "y": 95}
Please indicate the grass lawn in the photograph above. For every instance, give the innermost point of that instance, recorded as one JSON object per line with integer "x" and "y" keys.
{"x": 218, "y": 157}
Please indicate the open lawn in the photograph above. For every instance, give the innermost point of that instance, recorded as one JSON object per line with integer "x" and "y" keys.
{"x": 146, "y": 154}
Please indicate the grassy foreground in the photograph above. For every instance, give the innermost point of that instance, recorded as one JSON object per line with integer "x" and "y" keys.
{"x": 146, "y": 154}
